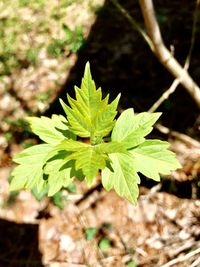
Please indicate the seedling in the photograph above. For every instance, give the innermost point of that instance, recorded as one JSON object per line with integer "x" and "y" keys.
{"x": 104, "y": 244}
{"x": 90, "y": 141}
{"x": 90, "y": 233}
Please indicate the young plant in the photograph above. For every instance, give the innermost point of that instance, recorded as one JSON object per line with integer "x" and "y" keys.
{"x": 90, "y": 141}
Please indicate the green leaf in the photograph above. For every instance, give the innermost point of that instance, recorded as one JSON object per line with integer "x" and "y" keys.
{"x": 88, "y": 158}
{"x": 152, "y": 158}
{"x": 72, "y": 188}
{"x": 58, "y": 170}
{"x": 71, "y": 145}
{"x": 90, "y": 233}
{"x": 105, "y": 148}
{"x": 131, "y": 129}
{"x": 30, "y": 172}
{"x": 132, "y": 264}
{"x": 111, "y": 147}
{"x": 90, "y": 115}
{"x": 89, "y": 161}
{"x": 124, "y": 178}
{"x": 53, "y": 130}
{"x": 58, "y": 200}
{"x": 104, "y": 244}
{"x": 40, "y": 194}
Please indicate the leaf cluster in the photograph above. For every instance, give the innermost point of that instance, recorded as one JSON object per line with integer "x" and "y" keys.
{"x": 90, "y": 140}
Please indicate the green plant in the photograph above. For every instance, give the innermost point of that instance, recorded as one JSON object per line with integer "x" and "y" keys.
{"x": 72, "y": 41}
{"x": 132, "y": 264}
{"x": 91, "y": 140}
{"x": 104, "y": 244}
{"x": 90, "y": 233}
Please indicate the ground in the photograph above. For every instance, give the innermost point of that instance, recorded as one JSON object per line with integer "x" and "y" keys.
{"x": 43, "y": 49}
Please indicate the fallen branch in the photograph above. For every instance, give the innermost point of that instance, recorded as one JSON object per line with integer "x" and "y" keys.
{"x": 176, "y": 82}
{"x": 180, "y": 136}
{"x": 196, "y": 263}
{"x": 165, "y": 95}
{"x": 182, "y": 258}
{"x": 163, "y": 54}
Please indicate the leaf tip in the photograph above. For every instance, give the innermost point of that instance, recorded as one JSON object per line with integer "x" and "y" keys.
{"x": 61, "y": 101}
{"x": 158, "y": 114}
{"x": 87, "y": 71}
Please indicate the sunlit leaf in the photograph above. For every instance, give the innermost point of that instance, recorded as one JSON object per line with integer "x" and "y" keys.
{"x": 152, "y": 158}
{"x": 124, "y": 178}
{"x": 89, "y": 161}
{"x": 131, "y": 129}
{"x": 53, "y": 130}
{"x": 30, "y": 171}
{"x": 116, "y": 149}
{"x": 111, "y": 147}
{"x": 90, "y": 115}
{"x": 58, "y": 171}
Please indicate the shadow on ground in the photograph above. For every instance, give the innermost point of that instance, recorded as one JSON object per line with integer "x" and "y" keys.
{"x": 122, "y": 62}
{"x": 19, "y": 245}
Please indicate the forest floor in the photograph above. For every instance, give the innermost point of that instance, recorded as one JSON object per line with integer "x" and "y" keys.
{"x": 43, "y": 49}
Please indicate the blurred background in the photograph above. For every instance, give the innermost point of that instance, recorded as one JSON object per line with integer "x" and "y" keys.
{"x": 44, "y": 46}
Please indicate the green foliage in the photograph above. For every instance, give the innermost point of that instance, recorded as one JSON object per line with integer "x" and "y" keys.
{"x": 72, "y": 41}
{"x": 90, "y": 140}
{"x": 39, "y": 195}
{"x": 32, "y": 54}
{"x": 58, "y": 199}
{"x": 72, "y": 188}
{"x": 132, "y": 264}
{"x": 90, "y": 233}
{"x": 131, "y": 130}
{"x": 17, "y": 51}
{"x": 51, "y": 131}
{"x": 104, "y": 244}
{"x": 30, "y": 171}
{"x": 152, "y": 157}
{"x": 123, "y": 176}
{"x": 90, "y": 115}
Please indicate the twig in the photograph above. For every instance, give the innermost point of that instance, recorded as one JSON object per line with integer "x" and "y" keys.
{"x": 59, "y": 263}
{"x": 176, "y": 82}
{"x": 165, "y": 95}
{"x": 186, "y": 245}
{"x": 163, "y": 54}
{"x": 182, "y": 258}
{"x": 196, "y": 263}
{"x": 182, "y": 137}
{"x": 133, "y": 23}
{"x": 156, "y": 44}
{"x": 155, "y": 189}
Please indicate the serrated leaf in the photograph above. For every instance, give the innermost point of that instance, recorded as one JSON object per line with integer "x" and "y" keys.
{"x": 89, "y": 161}
{"x": 131, "y": 129}
{"x": 58, "y": 172}
{"x": 30, "y": 172}
{"x": 53, "y": 130}
{"x": 71, "y": 145}
{"x": 62, "y": 151}
{"x": 111, "y": 147}
{"x": 124, "y": 179}
{"x": 152, "y": 158}
{"x": 90, "y": 115}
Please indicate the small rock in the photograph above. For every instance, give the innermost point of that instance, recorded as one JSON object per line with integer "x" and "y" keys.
{"x": 66, "y": 243}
